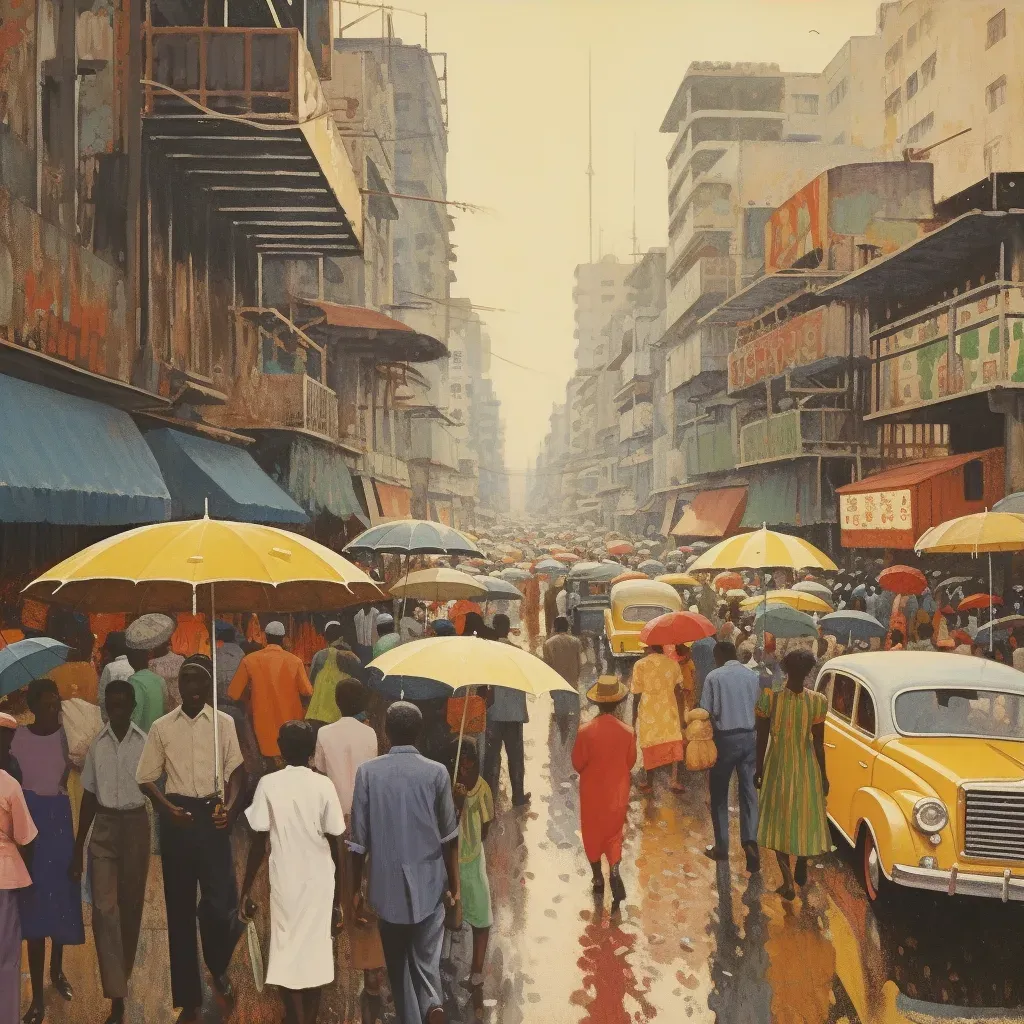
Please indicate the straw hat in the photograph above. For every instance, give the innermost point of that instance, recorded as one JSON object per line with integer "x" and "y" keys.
{"x": 608, "y": 690}
{"x": 149, "y": 631}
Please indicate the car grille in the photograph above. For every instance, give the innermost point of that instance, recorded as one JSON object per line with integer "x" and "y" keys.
{"x": 994, "y": 824}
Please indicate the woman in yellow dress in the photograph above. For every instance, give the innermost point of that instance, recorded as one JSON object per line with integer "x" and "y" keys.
{"x": 660, "y": 694}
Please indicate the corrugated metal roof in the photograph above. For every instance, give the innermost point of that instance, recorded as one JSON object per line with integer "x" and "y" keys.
{"x": 769, "y": 291}
{"x": 909, "y": 475}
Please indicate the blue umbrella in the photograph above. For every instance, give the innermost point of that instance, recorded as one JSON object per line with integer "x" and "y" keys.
{"x": 652, "y": 567}
{"x": 783, "y": 621}
{"x": 852, "y": 625}
{"x": 549, "y": 565}
{"x": 500, "y": 590}
{"x": 999, "y": 627}
{"x": 413, "y": 537}
{"x": 513, "y": 575}
{"x": 406, "y": 687}
{"x": 25, "y": 660}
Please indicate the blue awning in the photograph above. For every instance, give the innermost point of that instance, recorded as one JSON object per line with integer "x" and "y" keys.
{"x": 198, "y": 470}
{"x": 73, "y": 462}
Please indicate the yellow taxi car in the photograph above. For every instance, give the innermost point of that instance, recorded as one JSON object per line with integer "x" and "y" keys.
{"x": 925, "y": 760}
{"x": 631, "y": 605}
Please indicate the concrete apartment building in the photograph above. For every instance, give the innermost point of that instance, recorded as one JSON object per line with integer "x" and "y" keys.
{"x": 599, "y": 289}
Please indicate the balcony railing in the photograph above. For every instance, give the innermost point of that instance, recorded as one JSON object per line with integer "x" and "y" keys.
{"x": 709, "y": 449}
{"x": 384, "y": 466}
{"x": 702, "y": 287}
{"x": 636, "y": 421}
{"x": 785, "y": 435}
{"x": 290, "y": 401}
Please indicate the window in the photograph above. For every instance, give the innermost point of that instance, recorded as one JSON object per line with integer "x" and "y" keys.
{"x": 996, "y": 29}
{"x": 992, "y": 156}
{"x": 643, "y": 612}
{"x": 893, "y": 54}
{"x": 840, "y": 139}
{"x": 823, "y": 684}
{"x": 608, "y": 284}
{"x": 921, "y": 129}
{"x": 892, "y": 104}
{"x": 805, "y": 103}
{"x": 911, "y": 35}
{"x": 838, "y": 94}
{"x": 866, "y": 712}
{"x": 607, "y": 298}
{"x": 928, "y": 70}
{"x": 974, "y": 480}
{"x": 456, "y": 389}
{"x": 843, "y": 691}
{"x": 456, "y": 360}
{"x": 912, "y": 86}
{"x": 925, "y": 24}
{"x": 995, "y": 94}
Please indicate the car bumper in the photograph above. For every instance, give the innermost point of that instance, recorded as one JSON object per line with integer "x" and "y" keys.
{"x": 1003, "y": 887}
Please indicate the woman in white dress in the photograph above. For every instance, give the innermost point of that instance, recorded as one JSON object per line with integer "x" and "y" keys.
{"x": 299, "y": 811}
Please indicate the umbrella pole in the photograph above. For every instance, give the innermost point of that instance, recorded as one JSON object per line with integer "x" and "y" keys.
{"x": 462, "y": 732}
{"x": 991, "y": 631}
{"x": 218, "y": 781}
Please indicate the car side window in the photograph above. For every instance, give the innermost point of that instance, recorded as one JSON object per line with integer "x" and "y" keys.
{"x": 822, "y": 685}
{"x": 865, "y": 711}
{"x": 844, "y": 689}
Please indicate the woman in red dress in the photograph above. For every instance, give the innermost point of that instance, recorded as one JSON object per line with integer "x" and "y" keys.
{"x": 604, "y": 756}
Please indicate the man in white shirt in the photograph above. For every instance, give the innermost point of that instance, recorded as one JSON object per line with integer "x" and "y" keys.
{"x": 366, "y": 632}
{"x": 117, "y": 667}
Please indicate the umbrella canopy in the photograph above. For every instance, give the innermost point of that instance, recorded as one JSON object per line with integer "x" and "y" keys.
{"x": 1011, "y": 503}
{"x": 738, "y": 593}
{"x": 763, "y": 549}
{"x": 974, "y": 601}
{"x": 902, "y": 579}
{"x": 471, "y": 570}
{"x": 624, "y": 576}
{"x": 952, "y": 581}
{"x": 602, "y": 572}
{"x": 1004, "y": 625}
{"x": 512, "y": 574}
{"x": 783, "y": 621}
{"x": 161, "y": 567}
{"x": 620, "y": 547}
{"x": 438, "y": 585}
{"x": 25, "y": 660}
{"x": 501, "y": 590}
{"x": 549, "y": 565}
{"x": 652, "y": 567}
{"x": 678, "y": 579}
{"x": 413, "y": 537}
{"x": 817, "y": 589}
{"x": 852, "y": 624}
{"x": 797, "y": 599}
{"x": 981, "y": 533}
{"x": 728, "y": 581}
{"x": 676, "y": 628}
{"x": 568, "y": 557}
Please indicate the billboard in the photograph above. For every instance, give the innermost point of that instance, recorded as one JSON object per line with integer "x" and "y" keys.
{"x": 796, "y": 228}
{"x": 797, "y": 342}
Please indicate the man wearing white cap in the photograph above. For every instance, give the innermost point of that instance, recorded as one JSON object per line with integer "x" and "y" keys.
{"x": 275, "y": 683}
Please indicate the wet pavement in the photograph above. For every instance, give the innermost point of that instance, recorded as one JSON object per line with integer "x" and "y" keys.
{"x": 694, "y": 940}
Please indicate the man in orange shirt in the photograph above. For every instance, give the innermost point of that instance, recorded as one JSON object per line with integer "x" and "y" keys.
{"x": 276, "y": 683}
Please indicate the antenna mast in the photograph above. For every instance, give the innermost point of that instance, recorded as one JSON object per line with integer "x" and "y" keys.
{"x": 635, "y": 250}
{"x": 590, "y": 155}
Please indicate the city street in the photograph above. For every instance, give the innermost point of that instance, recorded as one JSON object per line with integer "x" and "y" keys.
{"x": 694, "y": 940}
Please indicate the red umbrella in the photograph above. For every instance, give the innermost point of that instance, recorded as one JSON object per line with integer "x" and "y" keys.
{"x": 623, "y": 576}
{"x": 978, "y": 601}
{"x": 620, "y": 547}
{"x": 902, "y": 579}
{"x": 676, "y": 628}
{"x": 685, "y": 549}
{"x": 728, "y": 581}
{"x": 962, "y": 637}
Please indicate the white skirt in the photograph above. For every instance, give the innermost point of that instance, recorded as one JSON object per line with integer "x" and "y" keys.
{"x": 301, "y": 945}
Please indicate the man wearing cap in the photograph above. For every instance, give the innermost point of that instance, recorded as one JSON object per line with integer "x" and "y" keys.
{"x": 145, "y": 635}
{"x": 275, "y": 682}
{"x": 388, "y": 637}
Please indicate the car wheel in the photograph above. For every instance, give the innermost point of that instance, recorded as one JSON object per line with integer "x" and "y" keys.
{"x": 876, "y": 885}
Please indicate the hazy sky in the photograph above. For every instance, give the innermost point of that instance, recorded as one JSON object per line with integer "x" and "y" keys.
{"x": 517, "y": 86}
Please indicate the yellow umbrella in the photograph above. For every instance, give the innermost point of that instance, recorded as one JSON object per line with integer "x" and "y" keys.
{"x": 794, "y": 598}
{"x": 678, "y": 579}
{"x": 763, "y": 549}
{"x": 438, "y": 585}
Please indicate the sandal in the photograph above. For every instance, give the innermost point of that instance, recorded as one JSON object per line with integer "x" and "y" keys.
{"x": 787, "y": 894}
{"x": 800, "y": 873}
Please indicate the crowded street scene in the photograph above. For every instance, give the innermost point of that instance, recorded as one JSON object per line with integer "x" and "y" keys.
{"x": 511, "y": 512}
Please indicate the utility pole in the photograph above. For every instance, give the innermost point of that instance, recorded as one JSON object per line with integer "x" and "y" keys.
{"x": 590, "y": 154}
{"x": 635, "y": 250}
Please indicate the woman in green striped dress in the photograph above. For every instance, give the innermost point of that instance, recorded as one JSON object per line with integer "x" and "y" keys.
{"x": 791, "y": 772}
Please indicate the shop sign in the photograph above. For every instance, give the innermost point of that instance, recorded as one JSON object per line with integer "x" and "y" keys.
{"x": 878, "y": 510}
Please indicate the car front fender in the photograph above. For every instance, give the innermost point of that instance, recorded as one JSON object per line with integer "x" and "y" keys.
{"x": 896, "y": 839}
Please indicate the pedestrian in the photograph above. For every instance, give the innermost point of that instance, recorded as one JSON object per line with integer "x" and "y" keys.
{"x": 564, "y": 653}
{"x": 52, "y": 907}
{"x": 529, "y": 609}
{"x": 413, "y": 625}
{"x": 194, "y": 837}
{"x": 403, "y": 819}
{"x": 299, "y": 812}
{"x": 150, "y": 688}
{"x": 604, "y": 755}
{"x": 561, "y": 598}
{"x": 114, "y": 808}
{"x": 657, "y": 687}
{"x": 341, "y": 748}
{"x": 275, "y": 682}
{"x": 365, "y": 622}
{"x": 550, "y": 607}
{"x": 77, "y": 677}
{"x": 731, "y": 693}
{"x": 924, "y": 638}
{"x": 229, "y": 657}
{"x": 388, "y": 638}
{"x": 506, "y": 716}
{"x": 338, "y": 664}
{"x": 474, "y": 804}
{"x": 791, "y": 772}
{"x": 116, "y": 666}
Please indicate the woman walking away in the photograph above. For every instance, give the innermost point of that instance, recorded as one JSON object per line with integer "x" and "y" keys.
{"x": 301, "y": 813}
{"x": 791, "y": 772}
{"x": 475, "y": 806}
{"x": 658, "y": 686}
{"x": 52, "y": 907}
{"x": 604, "y": 756}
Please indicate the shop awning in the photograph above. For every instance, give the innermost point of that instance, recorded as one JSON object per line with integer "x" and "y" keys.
{"x": 198, "y": 470}
{"x": 787, "y": 496}
{"x": 74, "y": 462}
{"x": 769, "y": 291}
{"x": 671, "y": 500}
{"x": 316, "y": 476}
{"x": 713, "y": 513}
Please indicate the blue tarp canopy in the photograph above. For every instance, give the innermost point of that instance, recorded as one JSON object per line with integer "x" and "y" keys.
{"x": 321, "y": 482}
{"x": 198, "y": 469}
{"x": 74, "y": 462}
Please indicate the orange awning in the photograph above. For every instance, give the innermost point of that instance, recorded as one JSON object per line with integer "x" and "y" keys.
{"x": 395, "y": 500}
{"x": 713, "y": 513}
{"x": 369, "y": 330}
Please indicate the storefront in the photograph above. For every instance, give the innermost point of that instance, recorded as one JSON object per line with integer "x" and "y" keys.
{"x": 713, "y": 514}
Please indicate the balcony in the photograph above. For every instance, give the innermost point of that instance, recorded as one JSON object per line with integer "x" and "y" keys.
{"x": 714, "y": 217}
{"x": 704, "y": 350}
{"x": 708, "y": 449}
{"x": 431, "y": 442}
{"x": 264, "y": 75}
{"x": 281, "y": 401}
{"x": 386, "y": 467}
{"x": 636, "y": 421}
{"x": 787, "y": 435}
{"x": 702, "y": 287}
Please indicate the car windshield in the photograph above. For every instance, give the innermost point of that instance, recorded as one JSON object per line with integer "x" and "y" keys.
{"x": 948, "y": 711}
{"x": 643, "y": 612}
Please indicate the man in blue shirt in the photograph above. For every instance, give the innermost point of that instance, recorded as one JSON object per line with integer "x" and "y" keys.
{"x": 506, "y": 716}
{"x": 403, "y": 819}
{"x": 730, "y": 695}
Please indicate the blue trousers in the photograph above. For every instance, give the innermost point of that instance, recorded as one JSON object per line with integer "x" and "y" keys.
{"x": 412, "y": 953}
{"x": 737, "y": 752}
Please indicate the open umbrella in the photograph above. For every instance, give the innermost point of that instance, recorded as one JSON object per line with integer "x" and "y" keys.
{"x": 852, "y": 624}
{"x": 602, "y": 572}
{"x": 727, "y": 581}
{"x": 438, "y": 585}
{"x": 678, "y": 579}
{"x": 501, "y": 590}
{"x": 549, "y": 565}
{"x": 763, "y": 549}
{"x": 676, "y": 628}
{"x": 413, "y": 537}
{"x": 514, "y": 575}
{"x": 25, "y": 660}
{"x": 953, "y": 581}
{"x": 652, "y": 567}
{"x": 902, "y": 579}
{"x": 1006, "y": 624}
{"x": 620, "y": 547}
{"x": 797, "y": 599}
{"x": 811, "y": 587}
{"x": 783, "y": 621}
{"x": 975, "y": 601}
{"x": 624, "y": 577}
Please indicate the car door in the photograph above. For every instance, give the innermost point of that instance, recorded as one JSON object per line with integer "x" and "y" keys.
{"x": 842, "y": 750}
{"x": 864, "y": 731}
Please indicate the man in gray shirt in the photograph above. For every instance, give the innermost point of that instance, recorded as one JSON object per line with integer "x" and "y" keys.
{"x": 403, "y": 819}
{"x": 505, "y": 719}
{"x": 730, "y": 695}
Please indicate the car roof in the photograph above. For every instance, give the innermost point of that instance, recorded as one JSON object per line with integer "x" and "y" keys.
{"x": 892, "y": 671}
{"x": 646, "y": 590}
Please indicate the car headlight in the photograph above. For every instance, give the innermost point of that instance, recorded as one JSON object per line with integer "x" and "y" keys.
{"x": 930, "y": 815}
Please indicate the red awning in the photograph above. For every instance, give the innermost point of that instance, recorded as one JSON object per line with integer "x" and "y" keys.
{"x": 713, "y": 513}
{"x": 358, "y": 327}
{"x": 395, "y": 501}
{"x": 908, "y": 475}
